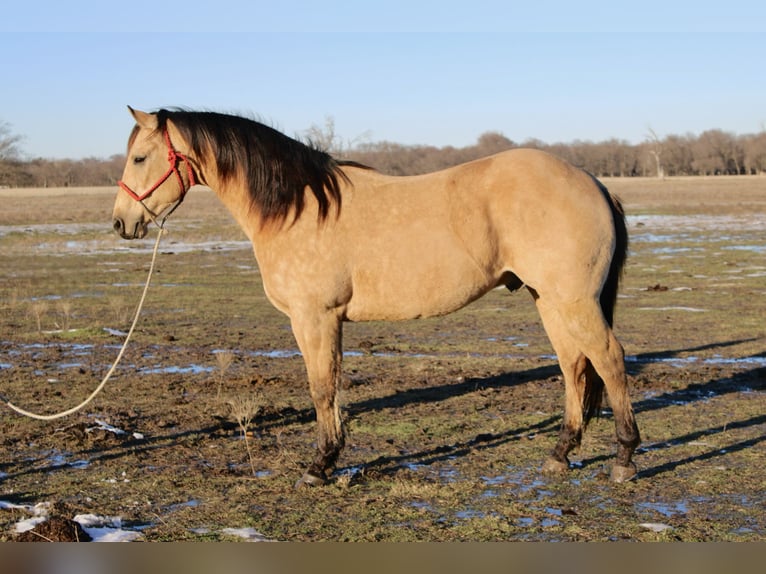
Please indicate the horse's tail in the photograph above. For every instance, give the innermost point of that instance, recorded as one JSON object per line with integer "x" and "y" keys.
{"x": 609, "y": 292}
{"x": 594, "y": 385}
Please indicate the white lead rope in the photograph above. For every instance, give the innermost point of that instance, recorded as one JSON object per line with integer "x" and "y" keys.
{"x": 119, "y": 355}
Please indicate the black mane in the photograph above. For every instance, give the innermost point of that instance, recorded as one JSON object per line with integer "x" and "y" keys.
{"x": 276, "y": 169}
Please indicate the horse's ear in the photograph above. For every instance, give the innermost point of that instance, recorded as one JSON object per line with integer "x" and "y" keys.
{"x": 143, "y": 119}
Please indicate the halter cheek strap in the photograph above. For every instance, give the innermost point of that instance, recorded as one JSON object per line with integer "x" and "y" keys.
{"x": 174, "y": 158}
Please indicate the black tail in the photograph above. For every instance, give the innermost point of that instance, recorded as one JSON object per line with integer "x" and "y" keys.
{"x": 594, "y": 386}
{"x": 609, "y": 292}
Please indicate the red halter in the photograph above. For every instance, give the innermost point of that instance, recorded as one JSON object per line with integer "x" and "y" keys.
{"x": 174, "y": 158}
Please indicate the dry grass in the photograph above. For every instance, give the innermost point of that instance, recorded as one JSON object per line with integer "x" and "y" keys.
{"x": 723, "y": 194}
{"x": 40, "y": 205}
{"x": 119, "y": 310}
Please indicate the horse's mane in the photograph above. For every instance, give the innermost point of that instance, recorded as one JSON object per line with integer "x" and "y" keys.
{"x": 276, "y": 169}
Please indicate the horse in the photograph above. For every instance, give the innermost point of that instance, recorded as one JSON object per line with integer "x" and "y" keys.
{"x": 338, "y": 241}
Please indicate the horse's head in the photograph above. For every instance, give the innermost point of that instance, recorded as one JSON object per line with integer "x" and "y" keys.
{"x": 153, "y": 181}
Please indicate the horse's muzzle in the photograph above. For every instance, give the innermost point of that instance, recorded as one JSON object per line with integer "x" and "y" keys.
{"x": 138, "y": 230}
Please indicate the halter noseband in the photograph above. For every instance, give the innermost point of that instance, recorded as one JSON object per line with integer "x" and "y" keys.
{"x": 174, "y": 158}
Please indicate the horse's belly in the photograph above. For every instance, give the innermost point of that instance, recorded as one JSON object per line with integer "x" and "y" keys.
{"x": 422, "y": 291}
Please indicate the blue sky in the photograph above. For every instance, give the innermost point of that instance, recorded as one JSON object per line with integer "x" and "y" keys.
{"x": 433, "y": 72}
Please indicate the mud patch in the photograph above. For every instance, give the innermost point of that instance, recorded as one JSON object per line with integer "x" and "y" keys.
{"x": 55, "y": 529}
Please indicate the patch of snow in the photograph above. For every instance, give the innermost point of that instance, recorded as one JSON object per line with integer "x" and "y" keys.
{"x": 250, "y": 534}
{"x": 655, "y": 526}
{"x": 106, "y": 528}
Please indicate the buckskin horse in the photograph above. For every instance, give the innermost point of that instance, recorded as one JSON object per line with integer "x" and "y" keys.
{"x": 338, "y": 241}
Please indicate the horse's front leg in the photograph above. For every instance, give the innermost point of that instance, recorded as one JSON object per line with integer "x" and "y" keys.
{"x": 319, "y": 339}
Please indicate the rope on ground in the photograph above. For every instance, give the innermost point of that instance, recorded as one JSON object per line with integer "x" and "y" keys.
{"x": 119, "y": 355}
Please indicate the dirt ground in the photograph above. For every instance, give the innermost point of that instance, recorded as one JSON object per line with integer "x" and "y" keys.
{"x": 207, "y": 423}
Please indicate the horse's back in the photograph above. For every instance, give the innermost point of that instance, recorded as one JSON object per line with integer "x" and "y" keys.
{"x": 536, "y": 215}
{"x": 429, "y": 244}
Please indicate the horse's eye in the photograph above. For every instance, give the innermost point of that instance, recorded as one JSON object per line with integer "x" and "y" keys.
{"x": 139, "y": 159}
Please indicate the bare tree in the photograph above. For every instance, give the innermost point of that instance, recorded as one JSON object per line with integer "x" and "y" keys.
{"x": 327, "y": 139}
{"x": 719, "y": 152}
{"x": 679, "y": 154}
{"x": 655, "y": 150}
{"x": 12, "y": 172}
{"x": 9, "y": 143}
{"x": 493, "y": 142}
{"x": 755, "y": 152}
{"x": 324, "y": 137}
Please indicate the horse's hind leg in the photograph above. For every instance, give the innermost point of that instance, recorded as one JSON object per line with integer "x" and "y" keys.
{"x": 573, "y": 365}
{"x": 319, "y": 339}
{"x": 595, "y": 339}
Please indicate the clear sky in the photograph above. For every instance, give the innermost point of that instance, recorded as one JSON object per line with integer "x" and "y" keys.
{"x": 437, "y": 72}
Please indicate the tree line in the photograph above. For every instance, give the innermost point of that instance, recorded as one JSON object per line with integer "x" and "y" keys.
{"x": 713, "y": 152}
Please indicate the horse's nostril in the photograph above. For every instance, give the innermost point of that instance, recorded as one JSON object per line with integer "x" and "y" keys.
{"x": 119, "y": 225}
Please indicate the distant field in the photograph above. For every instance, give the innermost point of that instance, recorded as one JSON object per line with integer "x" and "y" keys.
{"x": 14, "y": 192}
{"x": 83, "y": 204}
{"x": 732, "y": 194}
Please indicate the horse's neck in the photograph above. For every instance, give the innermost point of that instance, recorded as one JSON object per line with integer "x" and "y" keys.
{"x": 234, "y": 195}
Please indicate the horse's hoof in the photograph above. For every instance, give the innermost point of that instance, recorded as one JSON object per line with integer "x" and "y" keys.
{"x": 310, "y": 479}
{"x": 555, "y": 466}
{"x": 623, "y": 473}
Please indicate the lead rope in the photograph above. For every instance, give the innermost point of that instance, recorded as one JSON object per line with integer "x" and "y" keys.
{"x": 108, "y": 375}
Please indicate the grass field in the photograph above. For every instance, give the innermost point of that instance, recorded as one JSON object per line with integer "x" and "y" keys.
{"x": 208, "y": 422}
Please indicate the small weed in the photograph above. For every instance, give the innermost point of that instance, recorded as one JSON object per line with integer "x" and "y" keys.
{"x": 37, "y": 311}
{"x": 65, "y": 314}
{"x": 286, "y": 455}
{"x": 223, "y": 359}
{"x": 119, "y": 310}
{"x": 244, "y": 410}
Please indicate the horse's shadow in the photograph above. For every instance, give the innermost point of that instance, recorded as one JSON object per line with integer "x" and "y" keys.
{"x": 443, "y": 392}
{"x": 645, "y": 358}
{"x": 439, "y": 393}
{"x": 715, "y": 452}
{"x": 411, "y": 397}
{"x": 754, "y": 379}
